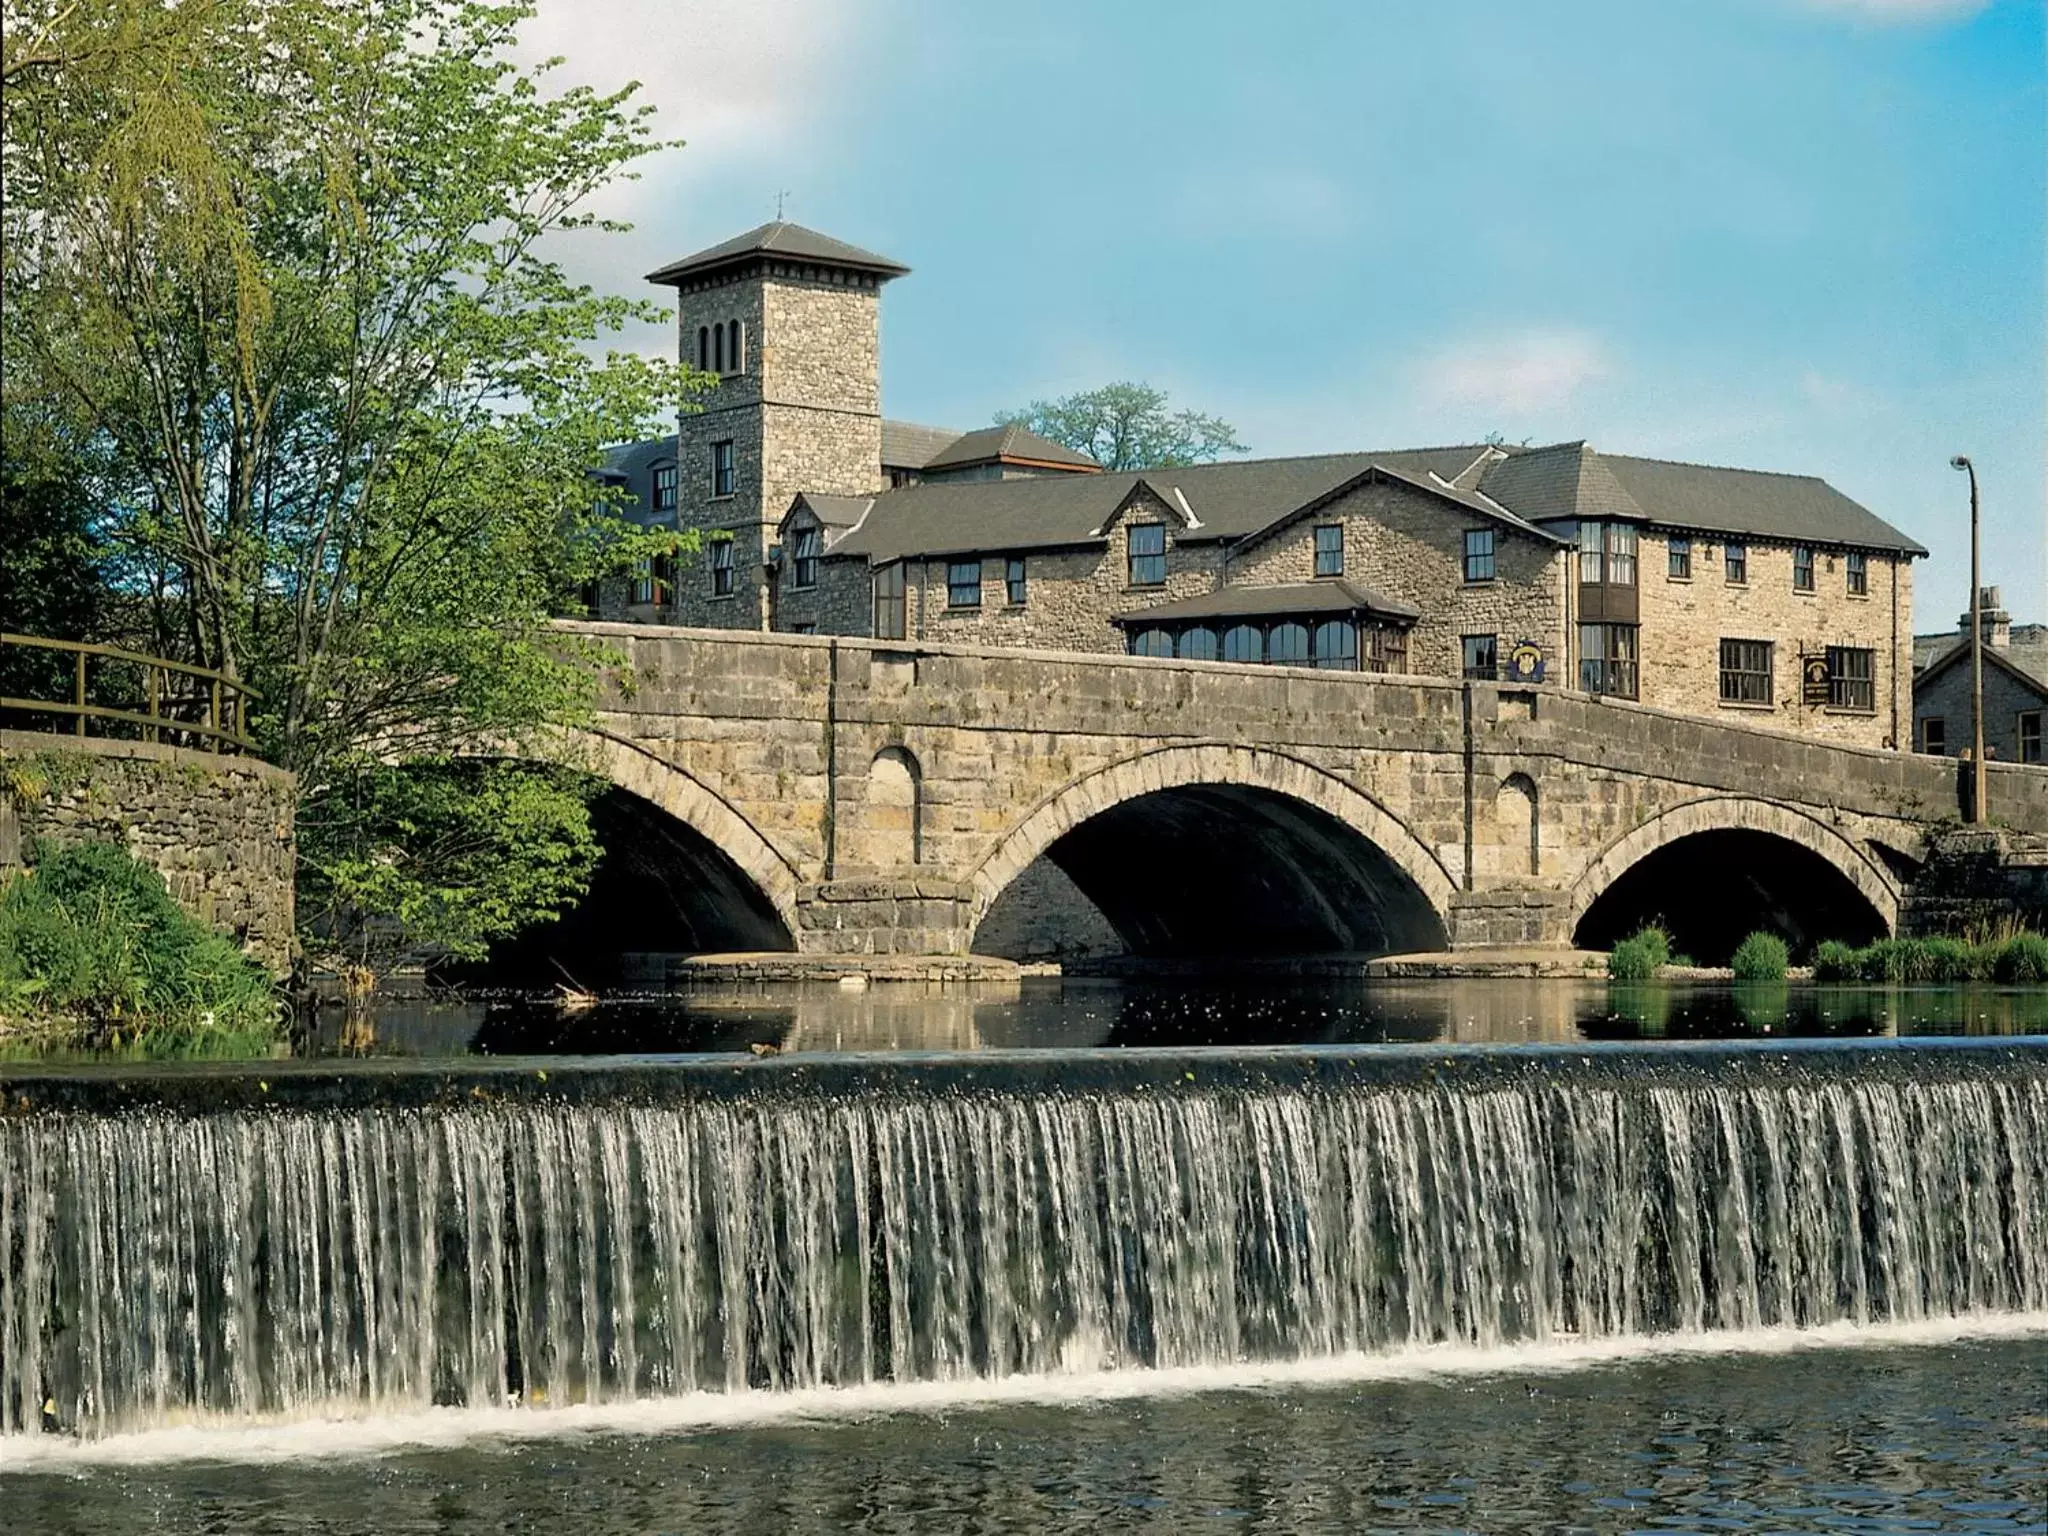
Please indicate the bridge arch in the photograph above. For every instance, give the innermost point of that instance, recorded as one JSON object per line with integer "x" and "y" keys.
{"x": 639, "y": 772}
{"x": 1739, "y": 822}
{"x": 1368, "y": 852}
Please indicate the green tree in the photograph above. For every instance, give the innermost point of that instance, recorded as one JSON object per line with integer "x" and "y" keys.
{"x": 298, "y": 286}
{"x": 1128, "y": 426}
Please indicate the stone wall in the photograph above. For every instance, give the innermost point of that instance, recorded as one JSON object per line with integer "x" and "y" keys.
{"x": 1685, "y": 620}
{"x": 1510, "y": 809}
{"x": 219, "y": 829}
{"x": 1946, "y": 697}
{"x": 1979, "y": 880}
{"x": 1410, "y": 546}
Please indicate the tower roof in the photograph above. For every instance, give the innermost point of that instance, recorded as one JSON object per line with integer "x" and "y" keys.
{"x": 780, "y": 238}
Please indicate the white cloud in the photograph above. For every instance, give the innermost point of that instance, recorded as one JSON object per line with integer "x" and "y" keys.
{"x": 1900, "y": 10}
{"x": 730, "y": 76}
{"x": 1531, "y": 371}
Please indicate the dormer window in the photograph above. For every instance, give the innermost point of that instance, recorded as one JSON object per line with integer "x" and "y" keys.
{"x": 1148, "y": 554}
{"x": 664, "y": 488}
{"x": 1330, "y": 549}
{"x": 804, "y": 551}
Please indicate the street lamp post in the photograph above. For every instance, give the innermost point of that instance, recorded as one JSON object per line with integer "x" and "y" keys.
{"x": 1962, "y": 462}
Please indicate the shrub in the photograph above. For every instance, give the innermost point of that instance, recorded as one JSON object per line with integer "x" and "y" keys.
{"x": 1949, "y": 960}
{"x": 2021, "y": 959}
{"x": 91, "y": 936}
{"x": 1836, "y": 961}
{"x": 1637, "y": 957}
{"x": 1761, "y": 957}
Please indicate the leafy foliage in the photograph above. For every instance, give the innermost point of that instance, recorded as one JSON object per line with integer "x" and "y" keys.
{"x": 2016, "y": 959}
{"x": 91, "y": 936}
{"x": 443, "y": 856}
{"x": 1639, "y": 956}
{"x": 1128, "y": 426}
{"x": 283, "y": 278}
{"x": 1761, "y": 957}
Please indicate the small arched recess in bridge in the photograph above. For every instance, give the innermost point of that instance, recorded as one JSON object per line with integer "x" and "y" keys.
{"x": 1214, "y": 851}
{"x": 681, "y": 872}
{"x": 1715, "y": 870}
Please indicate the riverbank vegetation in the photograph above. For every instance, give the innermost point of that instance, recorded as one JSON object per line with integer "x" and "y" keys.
{"x": 94, "y": 954}
{"x": 298, "y": 389}
{"x": 2018, "y": 959}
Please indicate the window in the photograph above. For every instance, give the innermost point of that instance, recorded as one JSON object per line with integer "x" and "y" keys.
{"x": 1607, "y": 553}
{"x": 722, "y": 478}
{"x": 704, "y": 347}
{"x": 2030, "y": 735}
{"x": 1859, "y": 573}
{"x": 664, "y": 488}
{"x": 718, "y": 349}
{"x": 1607, "y": 659}
{"x": 1482, "y": 656}
{"x": 1802, "y": 569}
{"x": 1197, "y": 644}
{"x": 1479, "y": 554}
{"x": 1152, "y": 642}
{"x": 1336, "y": 645}
{"x": 889, "y": 602}
{"x": 804, "y": 551}
{"x": 735, "y": 353}
{"x": 1852, "y": 673}
{"x": 963, "y": 584}
{"x": 1013, "y": 581}
{"x": 1934, "y": 736}
{"x": 803, "y": 629}
{"x": 1678, "y": 558}
{"x": 1148, "y": 554}
{"x": 1244, "y": 642}
{"x": 1287, "y": 645}
{"x": 643, "y": 583}
{"x": 1735, "y": 564}
{"x": 1386, "y": 650}
{"x": 1330, "y": 549}
{"x": 1746, "y": 672}
{"x": 721, "y": 566}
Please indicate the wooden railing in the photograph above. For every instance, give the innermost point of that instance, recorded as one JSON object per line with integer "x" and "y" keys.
{"x": 180, "y": 703}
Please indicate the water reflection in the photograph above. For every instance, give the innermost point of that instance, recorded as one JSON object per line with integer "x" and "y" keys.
{"x": 1074, "y": 1013}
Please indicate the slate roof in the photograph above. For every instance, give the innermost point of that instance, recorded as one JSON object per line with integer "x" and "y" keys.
{"x": 2026, "y": 655}
{"x": 632, "y": 465}
{"x": 1226, "y": 501}
{"x": 779, "y": 238}
{"x": 840, "y": 512}
{"x": 1008, "y": 441}
{"x": 906, "y": 445}
{"x": 1284, "y": 601}
{"x": 1572, "y": 480}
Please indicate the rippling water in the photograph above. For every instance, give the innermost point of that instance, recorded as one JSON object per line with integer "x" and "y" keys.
{"x": 1941, "y": 1438}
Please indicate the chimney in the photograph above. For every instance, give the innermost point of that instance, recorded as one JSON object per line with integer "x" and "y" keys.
{"x": 1997, "y": 622}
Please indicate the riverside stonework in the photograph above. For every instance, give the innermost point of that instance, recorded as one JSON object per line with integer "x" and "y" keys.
{"x": 218, "y": 829}
{"x": 1769, "y": 599}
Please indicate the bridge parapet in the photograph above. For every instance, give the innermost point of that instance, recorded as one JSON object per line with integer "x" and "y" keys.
{"x": 895, "y": 788}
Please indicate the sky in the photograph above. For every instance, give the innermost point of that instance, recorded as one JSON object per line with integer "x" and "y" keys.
{"x": 1797, "y": 235}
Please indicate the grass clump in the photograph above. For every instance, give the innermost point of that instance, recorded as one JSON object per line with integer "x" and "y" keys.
{"x": 2017, "y": 959}
{"x": 1638, "y": 957}
{"x": 1761, "y": 957}
{"x": 2021, "y": 960}
{"x": 1835, "y": 961}
{"x": 93, "y": 952}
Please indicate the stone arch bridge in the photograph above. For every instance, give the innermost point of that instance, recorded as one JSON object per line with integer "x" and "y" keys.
{"x": 849, "y": 796}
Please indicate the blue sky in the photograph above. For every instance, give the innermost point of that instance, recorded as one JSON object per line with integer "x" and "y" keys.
{"x": 1804, "y": 235}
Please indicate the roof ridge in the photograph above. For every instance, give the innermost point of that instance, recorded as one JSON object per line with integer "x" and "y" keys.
{"x": 1726, "y": 469}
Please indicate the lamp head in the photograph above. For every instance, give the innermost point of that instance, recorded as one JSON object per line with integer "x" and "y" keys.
{"x": 1960, "y": 461}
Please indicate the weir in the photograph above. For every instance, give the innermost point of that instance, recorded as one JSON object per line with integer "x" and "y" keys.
{"x": 314, "y": 1242}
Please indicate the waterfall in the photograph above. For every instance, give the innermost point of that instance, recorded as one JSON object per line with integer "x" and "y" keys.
{"x": 165, "y": 1265}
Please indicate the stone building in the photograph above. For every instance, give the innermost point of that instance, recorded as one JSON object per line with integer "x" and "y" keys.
{"x": 1717, "y": 591}
{"x": 2015, "y": 687}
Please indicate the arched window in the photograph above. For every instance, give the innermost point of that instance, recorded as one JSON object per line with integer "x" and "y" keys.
{"x": 1244, "y": 642}
{"x": 718, "y": 349}
{"x": 704, "y": 347}
{"x": 733, "y": 354}
{"x": 1287, "y": 646}
{"x": 1198, "y": 644}
{"x": 1152, "y": 642}
{"x": 1337, "y": 645}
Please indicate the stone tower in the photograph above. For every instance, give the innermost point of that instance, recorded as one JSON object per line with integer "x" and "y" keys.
{"x": 789, "y": 321}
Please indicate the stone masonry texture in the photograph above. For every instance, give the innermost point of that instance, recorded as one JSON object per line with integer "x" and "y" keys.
{"x": 1507, "y": 809}
{"x": 219, "y": 829}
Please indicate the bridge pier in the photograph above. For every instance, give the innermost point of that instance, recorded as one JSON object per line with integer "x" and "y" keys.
{"x": 884, "y": 915}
